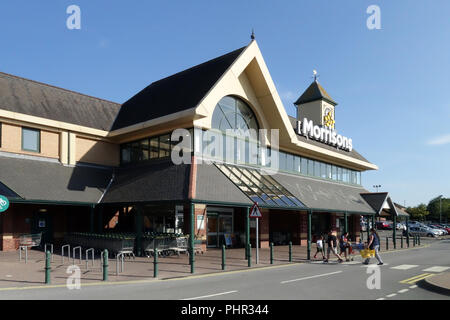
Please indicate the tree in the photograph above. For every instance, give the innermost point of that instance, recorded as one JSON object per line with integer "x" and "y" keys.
{"x": 434, "y": 207}
{"x": 418, "y": 213}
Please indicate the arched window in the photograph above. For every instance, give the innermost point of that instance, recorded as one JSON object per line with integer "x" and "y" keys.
{"x": 233, "y": 113}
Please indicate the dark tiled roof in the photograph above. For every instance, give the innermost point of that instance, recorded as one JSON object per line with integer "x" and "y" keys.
{"x": 375, "y": 200}
{"x": 41, "y": 100}
{"x": 157, "y": 181}
{"x": 318, "y": 194}
{"x": 314, "y": 92}
{"x": 178, "y": 92}
{"x": 49, "y": 181}
{"x": 354, "y": 154}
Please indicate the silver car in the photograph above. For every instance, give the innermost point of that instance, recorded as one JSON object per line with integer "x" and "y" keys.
{"x": 423, "y": 232}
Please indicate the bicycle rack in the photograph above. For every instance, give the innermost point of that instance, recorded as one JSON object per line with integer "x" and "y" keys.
{"x": 51, "y": 250}
{"x": 68, "y": 252}
{"x": 26, "y": 253}
{"x": 87, "y": 257}
{"x": 73, "y": 254}
{"x": 119, "y": 257}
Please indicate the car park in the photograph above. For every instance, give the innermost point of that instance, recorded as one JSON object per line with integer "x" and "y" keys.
{"x": 383, "y": 225}
{"x": 438, "y": 228}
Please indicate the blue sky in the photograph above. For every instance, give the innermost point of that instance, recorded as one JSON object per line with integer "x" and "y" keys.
{"x": 392, "y": 85}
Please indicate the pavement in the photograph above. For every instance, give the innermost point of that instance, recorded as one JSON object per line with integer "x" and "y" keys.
{"x": 401, "y": 277}
{"x": 15, "y": 273}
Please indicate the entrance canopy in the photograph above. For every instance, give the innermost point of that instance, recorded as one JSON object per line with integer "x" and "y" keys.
{"x": 383, "y": 205}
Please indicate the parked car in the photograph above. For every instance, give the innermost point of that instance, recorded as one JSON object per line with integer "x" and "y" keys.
{"x": 383, "y": 225}
{"x": 423, "y": 232}
{"x": 400, "y": 226}
{"x": 444, "y": 227}
{"x": 440, "y": 229}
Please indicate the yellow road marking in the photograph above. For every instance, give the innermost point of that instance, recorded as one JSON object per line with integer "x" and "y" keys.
{"x": 417, "y": 278}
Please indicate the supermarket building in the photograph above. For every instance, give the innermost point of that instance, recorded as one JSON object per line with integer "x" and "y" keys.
{"x": 75, "y": 163}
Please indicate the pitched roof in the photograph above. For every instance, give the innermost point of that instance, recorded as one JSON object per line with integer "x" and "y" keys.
{"x": 181, "y": 91}
{"x": 314, "y": 92}
{"x": 325, "y": 195}
{"x": 375, "y": 200}
{"x": 156, "y": 181}
{"x": 42, "y": 100}
{"x": 51, "y": 181}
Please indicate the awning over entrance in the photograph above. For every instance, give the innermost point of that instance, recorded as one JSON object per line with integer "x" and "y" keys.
{"x": 46, "y": 181}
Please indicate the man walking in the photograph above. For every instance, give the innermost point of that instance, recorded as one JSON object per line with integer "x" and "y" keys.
{"x": 332, "y": 246}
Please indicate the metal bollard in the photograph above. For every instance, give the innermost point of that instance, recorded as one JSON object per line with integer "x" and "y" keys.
{"x": 223, "y": 257}
{"x": 271, "y": 253}
{"x": 155, "y": 263}
{"x": 394, "y": 241}
{"x": 414, "y": 241}
{"x": 87, "y": 257}
{"x": 105, "y": 265}
{"x": 418, "y": 238}
{"x": 51, "y": 249}
{"x": 47, "y": 267}
{"x": 119, "y": 261}
{"x": 387, "y": 243}
{"x": 68, "y": 252}
{"x": 73, "y": 254}
{"x": 401, "y": 241}
{"x": 249, "y": 256}
{"x": 290, "y": 251}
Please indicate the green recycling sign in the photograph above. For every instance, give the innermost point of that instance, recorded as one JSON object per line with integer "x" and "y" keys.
{"x": 4, "y": 203}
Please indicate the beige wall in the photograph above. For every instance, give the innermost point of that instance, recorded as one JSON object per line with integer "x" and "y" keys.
{"x": 97, "y": 152}
{"x": 12, "y": 141}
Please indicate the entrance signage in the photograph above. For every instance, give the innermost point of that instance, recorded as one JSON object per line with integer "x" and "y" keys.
{"x": 254, "y": 212}
{"x": 4, "y": 203}
{"x": 323, "y": 134}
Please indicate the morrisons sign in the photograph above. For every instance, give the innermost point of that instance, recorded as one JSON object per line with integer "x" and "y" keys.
{"x": 323, "y": 134}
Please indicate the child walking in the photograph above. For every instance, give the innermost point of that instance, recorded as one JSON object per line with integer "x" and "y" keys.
{"x": 319, "y": 247}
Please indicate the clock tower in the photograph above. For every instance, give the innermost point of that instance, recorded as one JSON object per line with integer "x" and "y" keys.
{"x": 316, "y": 104}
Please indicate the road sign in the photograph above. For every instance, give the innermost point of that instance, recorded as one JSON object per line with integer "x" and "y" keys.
{"x": 255, "y": 212}
{"x": 4, "y": 203}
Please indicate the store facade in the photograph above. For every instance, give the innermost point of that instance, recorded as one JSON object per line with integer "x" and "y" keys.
{"x": 96, "y": 166}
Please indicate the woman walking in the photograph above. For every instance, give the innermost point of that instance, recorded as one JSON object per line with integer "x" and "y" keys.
{"x": 374, "y": 244}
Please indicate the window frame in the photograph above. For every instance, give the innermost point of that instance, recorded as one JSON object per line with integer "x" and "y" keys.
{"x": 38, "y": 140}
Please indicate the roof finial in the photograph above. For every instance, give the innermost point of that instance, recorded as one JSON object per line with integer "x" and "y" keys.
{"x": 253, "y": 34}
{"x": 315, "y": 75}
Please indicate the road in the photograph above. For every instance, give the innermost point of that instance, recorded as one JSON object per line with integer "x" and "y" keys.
{"x": 303, "y": 281}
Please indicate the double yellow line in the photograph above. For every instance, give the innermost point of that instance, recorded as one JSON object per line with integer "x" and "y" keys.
{"x": 415, "y": 279}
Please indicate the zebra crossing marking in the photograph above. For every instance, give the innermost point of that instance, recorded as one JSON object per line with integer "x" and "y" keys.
{"x": 405, "y": 266}
{"x": 436, "y": 269}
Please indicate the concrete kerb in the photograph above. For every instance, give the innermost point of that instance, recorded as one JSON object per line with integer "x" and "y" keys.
{"x": 439, "y": 283}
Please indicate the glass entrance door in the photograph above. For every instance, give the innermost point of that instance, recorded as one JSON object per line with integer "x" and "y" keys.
{"x": 219, "y": 224}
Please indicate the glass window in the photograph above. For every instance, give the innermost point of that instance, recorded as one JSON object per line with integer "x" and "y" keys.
{"x": 310, "y": 167}
{"x": 31, "y": 140}
{"x": 339, "y": 174}
{"x": 126, "y": 153}
{"x": 334, "y": 172}
{"x": 233, "y": 113}
{"x": 358, "y": 178}
{"x": 144, "y": 149}
{"x": 135, "y": 152}
{"x": 289, "y": 162}
{"x": 164, "y": 146}
{"x": 323, "y": 170}
{"x": 316, "y": 168}
{"x": 328, "y": 176}
{"x": 282, "y": 160}
{"x": 297, "y": 161}
{"x": 154, "y": 148}
{"x": 304, "y": 166}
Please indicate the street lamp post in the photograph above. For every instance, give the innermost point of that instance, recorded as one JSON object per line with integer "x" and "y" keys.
{"x": 377, "y": 186}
